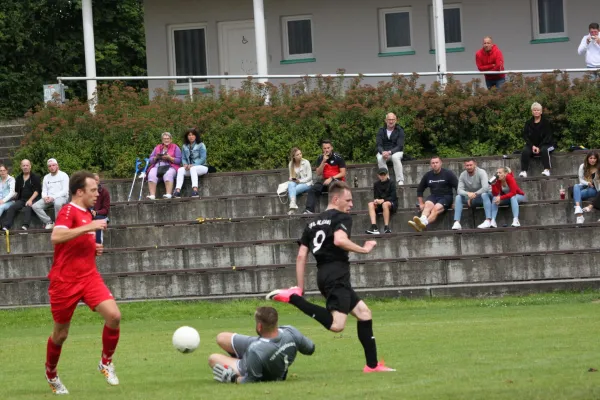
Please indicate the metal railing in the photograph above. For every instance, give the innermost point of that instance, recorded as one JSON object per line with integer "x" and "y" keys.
{"x": 441, "y": 76}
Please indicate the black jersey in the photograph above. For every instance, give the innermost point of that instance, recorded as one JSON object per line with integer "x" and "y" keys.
{"x": 318, "y": 237}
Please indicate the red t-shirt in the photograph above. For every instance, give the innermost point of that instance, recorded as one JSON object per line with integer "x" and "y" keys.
{"x": 75, "y": 259}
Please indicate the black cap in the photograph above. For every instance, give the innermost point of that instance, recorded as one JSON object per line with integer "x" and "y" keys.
{"x": 382, "y": 171}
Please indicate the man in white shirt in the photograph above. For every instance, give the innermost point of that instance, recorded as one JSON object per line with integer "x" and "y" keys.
{"x": 590, "y": 46}
{"x": 55, "y": 192}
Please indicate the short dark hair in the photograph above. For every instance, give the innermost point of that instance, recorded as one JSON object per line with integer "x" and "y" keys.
{"x": 468, "y": 159}
{"x": 193, "y": 131}
{"x": 336, "y": 188}
{"x": 326, "y": 141}
{"x": 268, "y": 317}
{"x": 78, "y": 181}
{"x": 594, "y": 25}
{"x": 434, "y": 157}
{"x": 3, "y": 166}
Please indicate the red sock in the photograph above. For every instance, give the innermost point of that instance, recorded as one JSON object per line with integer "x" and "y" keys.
{"x": 52, "y": 355}
{"x": 110, "y": 339}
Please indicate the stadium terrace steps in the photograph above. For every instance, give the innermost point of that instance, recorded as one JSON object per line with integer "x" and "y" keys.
{"x": 186, "y": 232}
{"x": 442, "y": 275}
{"x": 10, "y": 139}
{"x": 266, "y": 181}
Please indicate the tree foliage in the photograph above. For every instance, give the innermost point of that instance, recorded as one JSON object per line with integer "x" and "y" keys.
{"x": 43, "y": 39}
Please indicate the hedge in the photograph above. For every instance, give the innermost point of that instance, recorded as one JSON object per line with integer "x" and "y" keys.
{"x": 242, "y": 133}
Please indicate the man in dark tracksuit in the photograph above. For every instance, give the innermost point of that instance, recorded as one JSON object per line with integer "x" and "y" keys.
{"x": 385, "y": 201}
{"x": 441, "y": 183}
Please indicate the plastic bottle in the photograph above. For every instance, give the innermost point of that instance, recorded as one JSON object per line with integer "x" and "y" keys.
{"x": 563, "y": 194}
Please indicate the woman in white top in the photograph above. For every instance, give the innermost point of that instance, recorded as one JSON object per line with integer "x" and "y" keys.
{"x": 586, "y": 188}
{"x": 300, "y": 177}
{"x": 7, "y": 189}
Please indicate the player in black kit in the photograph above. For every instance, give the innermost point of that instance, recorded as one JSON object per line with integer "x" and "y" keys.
{"x": 327, "y": 237}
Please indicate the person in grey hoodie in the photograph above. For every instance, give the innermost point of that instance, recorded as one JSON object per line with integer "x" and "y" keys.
{"x": 55, "y": 192}
{"x": 473, "y": 189}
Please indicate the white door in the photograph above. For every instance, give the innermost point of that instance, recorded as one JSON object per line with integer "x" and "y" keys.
{"x": 237, "y": 50}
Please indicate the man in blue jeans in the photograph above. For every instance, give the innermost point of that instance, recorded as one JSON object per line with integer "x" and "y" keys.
{"x": 474, "y": 190}
{"x": 102, "y": 206}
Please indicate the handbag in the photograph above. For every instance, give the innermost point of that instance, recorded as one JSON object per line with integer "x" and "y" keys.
{"x": 162, "y": 170}
{"x": 282, "y": 191}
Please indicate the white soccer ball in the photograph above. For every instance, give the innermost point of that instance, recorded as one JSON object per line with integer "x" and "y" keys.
{"x": 186, "y": 339}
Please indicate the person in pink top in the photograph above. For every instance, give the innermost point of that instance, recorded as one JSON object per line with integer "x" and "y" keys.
{"x": 164, "y": 163}
{"x": 490, "y": 58}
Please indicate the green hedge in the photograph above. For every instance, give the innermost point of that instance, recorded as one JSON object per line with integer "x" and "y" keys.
{"x": 241, "y": 133}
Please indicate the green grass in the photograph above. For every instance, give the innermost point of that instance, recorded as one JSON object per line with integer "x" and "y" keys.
{"x": 534, "y": 347}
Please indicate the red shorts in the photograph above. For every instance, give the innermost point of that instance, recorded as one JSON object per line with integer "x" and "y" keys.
{"x": 64, "y": 296}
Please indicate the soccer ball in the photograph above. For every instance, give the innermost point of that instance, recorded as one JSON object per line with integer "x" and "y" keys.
{"x": 186, "y": 339}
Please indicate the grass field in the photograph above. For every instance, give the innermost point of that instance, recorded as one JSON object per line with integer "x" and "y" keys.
{"x": 535, "y": 347}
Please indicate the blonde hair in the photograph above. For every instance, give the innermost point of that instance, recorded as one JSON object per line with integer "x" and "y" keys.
{"x": 291, "y": 165}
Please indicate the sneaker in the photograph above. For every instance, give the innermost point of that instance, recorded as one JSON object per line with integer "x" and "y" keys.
{"x": 493, "y": 224}
{"x": 373, "y": 230}
{"x": 546, "y": 172}
{"x": 109, "y": 372}
{"x": 49, "y": 225}
{"x": 291, "y": 212}
{"x": 457, "y": 226}
{"x": 578, "y": 210}
{"x": 379, "y": 368}
{"x": 5, "y": 229}
{"x": 151, "y": 197}
{"x": 177, "y": 193}
{"x": 387, "y": 230}
{"x": 283, "y": 295}
{"x": 400, "y": 183}
{"x": 57, "y": 386}
{"x": 24, "y": 229}
{"x": 167, "y": 196}
{"x": 417, "y": 226}
{"x": 485, "y": 224}
{"x": 515, "y": 223}
{"x": 523, "y": 174}
{"x": 580, "y": 219}
{"x": 307, "y": 212}
{"x": 195, "y": 193}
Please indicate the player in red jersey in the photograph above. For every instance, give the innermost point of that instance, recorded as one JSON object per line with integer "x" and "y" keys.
{"x": 74, "y": 277}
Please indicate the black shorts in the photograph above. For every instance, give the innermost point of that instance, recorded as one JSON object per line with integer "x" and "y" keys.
{"x": 338, "y": 293}
{"x": 379, "y": 208}
{"x": 445, "y": 200}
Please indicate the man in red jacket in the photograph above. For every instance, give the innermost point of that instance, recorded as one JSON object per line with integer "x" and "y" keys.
{"x": 102, "y": 206}
{"x": 490, "y": 58}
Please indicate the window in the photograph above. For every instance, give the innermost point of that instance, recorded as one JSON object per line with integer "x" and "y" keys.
{"x": 187, "y": 51}
{"x": 297, "y": 37}
{"x": 549, "y": 19}
{"x": 452, "y": 26}
{"x": 395, "y": 30}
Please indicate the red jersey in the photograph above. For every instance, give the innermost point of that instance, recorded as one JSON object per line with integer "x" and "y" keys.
{"x": 75, "y": 259}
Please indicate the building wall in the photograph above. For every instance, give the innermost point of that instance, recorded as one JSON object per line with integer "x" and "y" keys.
{"x": 346, "y": 34}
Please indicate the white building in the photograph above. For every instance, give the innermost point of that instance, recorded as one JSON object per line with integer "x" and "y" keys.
{"x": 198, "y": 37}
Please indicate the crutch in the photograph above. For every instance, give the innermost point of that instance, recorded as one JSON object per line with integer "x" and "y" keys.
{"x": 135, "y": 174}
{"x": 147, "y": 160}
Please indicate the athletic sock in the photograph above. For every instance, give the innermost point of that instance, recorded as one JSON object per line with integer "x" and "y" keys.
{"x": 110, "y": 338}
{"x": 52, "y": 355}
{"x": 319, "y": 313}
{"x": 365, "y": 335}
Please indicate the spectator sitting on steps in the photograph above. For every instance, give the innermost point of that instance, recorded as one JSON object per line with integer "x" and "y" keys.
{"x": 505, "y": 190}
{"x": 390, "y": 146}
{"x": 164, "y": 163}
{"x": 55, "y": 193}
{"x": 385, "y": 202}
{"x": 102, "y": 207}
{"x": 300, "y": 179}
{"x": 473, "y": 189}
{"x": 538, "y": 141}
{"x": 588, "y": 185}
{"x": 193, "y": 161}
{"x": 441, "y": 183}
{"x": 28, "y": 187}
{"x": 7, "y": 189}
{"x": 330, "y": 167}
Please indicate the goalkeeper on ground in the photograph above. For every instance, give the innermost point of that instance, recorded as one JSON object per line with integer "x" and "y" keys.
{"x": 266, "y": 357}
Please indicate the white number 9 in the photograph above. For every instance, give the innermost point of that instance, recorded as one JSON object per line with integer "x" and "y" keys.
{"x": 318, "y": 241}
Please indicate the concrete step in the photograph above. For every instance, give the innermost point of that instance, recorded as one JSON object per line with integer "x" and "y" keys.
{"x": 7, "y": 152}
{"x": 567, "y": 238}
{"x": 236, "y": 183}
{"x": 12, "y": 130}
{"x": 189, "y": 232}
{"x": 7, "y": 161}
{"x": 443, "y": 276}
{"x": 11, "y": 141}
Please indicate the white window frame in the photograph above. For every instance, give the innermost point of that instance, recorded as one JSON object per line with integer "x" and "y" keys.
{"x": 536, "y": 22}
{"x": 454, "y": 45}
{"x": 382, "y": 30}
{"x": 286, "y": 39}
{"x": 171, "y": 49}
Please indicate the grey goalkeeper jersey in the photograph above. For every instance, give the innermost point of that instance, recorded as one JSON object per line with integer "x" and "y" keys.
{"x": 270, "y": 359}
